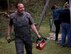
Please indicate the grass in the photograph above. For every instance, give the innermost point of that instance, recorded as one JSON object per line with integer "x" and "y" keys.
{"x": 51, "y": 48}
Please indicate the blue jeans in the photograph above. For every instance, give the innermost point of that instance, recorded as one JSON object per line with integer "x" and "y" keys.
{"x": 66, "y": 31}
{"x": 20, "y": 43}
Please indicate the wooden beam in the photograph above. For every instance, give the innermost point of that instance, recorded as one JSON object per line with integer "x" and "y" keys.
{"x": 8, "y": 5}
{"x": 42, "y": 14}
{"x": 2, "y": 12}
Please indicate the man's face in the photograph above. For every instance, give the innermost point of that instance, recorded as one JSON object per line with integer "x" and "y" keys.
{"x": 20, "y": 8}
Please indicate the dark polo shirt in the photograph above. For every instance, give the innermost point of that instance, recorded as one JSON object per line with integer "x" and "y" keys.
{"x": 21, "y": 23}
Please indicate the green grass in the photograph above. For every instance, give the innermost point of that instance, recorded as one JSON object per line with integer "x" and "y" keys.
{"x": 6, "y": 48}
{"x": 51, "y": 48}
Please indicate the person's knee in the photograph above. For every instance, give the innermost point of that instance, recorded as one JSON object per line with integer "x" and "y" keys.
{"x": 20, "y": 52}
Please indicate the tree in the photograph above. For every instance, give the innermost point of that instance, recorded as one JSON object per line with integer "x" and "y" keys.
{"x": 3, "y": 4}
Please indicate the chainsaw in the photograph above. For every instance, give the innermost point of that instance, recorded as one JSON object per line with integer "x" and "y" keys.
{"x": 40, "y": 43}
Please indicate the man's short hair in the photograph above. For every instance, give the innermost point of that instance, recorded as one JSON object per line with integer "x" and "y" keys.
{"x": 18, "y": 3}
{"x": 53, "y": 7}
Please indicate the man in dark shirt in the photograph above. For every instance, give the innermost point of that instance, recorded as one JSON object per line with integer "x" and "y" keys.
{"x": 65, "y": 24}
{"x": 22, "y": 22}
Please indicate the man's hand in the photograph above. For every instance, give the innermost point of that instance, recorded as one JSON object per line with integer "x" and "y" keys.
{"x": 39, "y": 37}
{"x": 6, "y": 14}
{"x": 8, "y": 38}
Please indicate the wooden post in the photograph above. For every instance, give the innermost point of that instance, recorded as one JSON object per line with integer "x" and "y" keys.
{"x": 8, "y": 5}
{"x": 42, "y": 14}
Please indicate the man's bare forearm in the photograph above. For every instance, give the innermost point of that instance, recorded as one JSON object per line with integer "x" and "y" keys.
{"x": 9, "y": 30}
{"x": 35, "y": 30}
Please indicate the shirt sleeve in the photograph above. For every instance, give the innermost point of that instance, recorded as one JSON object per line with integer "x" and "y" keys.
{"x": 10, "y": 21}
{"x": 31, "y": 21}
